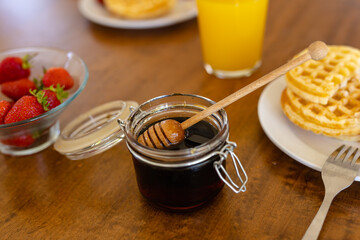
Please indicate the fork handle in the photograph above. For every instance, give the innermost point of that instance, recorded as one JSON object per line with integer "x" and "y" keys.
{"x": 315, "y": 227}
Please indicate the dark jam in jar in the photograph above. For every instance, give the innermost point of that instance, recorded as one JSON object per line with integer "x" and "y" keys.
{"x": 181, "y": 188}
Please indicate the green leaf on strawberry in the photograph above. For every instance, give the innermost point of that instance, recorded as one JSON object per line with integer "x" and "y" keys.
{"x": 50, "y": 97}
{"x": 41, "y": 98}
{"x": 25, "y": 61}
{"x": 38, "y": 83}
{"x": 60, "y": 93}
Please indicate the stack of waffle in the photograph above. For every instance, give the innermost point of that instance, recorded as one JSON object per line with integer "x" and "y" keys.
{"x": 139, "y": 9}
{"x": 324, "y": 96}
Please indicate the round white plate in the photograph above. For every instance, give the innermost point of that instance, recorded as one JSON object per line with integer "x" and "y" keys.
{"x": 306, "y": 147}
{"x": 92, "y": 10}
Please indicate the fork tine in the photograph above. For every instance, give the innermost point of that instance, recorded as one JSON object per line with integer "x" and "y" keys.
{"x": 344, "y": 156}
{"x": 354, "y": 157}
{"x": 348, "y": 154}
{"x": 336, "y": 153}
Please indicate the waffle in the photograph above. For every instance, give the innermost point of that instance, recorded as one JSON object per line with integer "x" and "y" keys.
{"x": 317, "y": 81}
{"x": 139, "y": 9}
{"x": 338, "y": 118}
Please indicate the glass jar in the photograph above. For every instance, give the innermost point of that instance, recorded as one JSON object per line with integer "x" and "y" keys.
{"x": 178, "y": 180}
{"x": 181, "y": 179}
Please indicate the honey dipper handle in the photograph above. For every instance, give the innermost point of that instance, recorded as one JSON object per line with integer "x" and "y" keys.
{"x": 316, "y": 51}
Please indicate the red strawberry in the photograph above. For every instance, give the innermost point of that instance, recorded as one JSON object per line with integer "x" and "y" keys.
{"x": 18, "y": 88}
{"x": 25, "y": 108}
{"x": 5, "y": 106}
{"x": 14, "y": 68}
{"x": 57, "y": 75}
{"x": 50, "y": 97}
{"x": 101, "y": 2}
{"x": 21, "y": 141}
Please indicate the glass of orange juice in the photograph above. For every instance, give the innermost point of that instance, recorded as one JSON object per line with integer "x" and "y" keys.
{"x": 231, "y": 33}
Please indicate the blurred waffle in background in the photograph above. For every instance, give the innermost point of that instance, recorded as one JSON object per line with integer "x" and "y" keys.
{"x": 139, "y": 9}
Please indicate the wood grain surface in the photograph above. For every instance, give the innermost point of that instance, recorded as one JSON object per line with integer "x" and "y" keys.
{"x": 47, "y": 196}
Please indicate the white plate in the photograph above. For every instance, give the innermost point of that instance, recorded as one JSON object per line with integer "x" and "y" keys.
{"x": 183, "y": 10}
{"x": 304, "y": 146}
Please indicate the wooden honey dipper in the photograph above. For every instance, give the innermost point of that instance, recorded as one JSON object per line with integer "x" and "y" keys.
{"x": 169, "y": 132}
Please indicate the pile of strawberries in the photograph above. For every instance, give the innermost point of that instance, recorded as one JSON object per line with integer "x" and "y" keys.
{"x": 29, "y": 98}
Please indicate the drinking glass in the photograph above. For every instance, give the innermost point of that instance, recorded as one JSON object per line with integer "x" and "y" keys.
{"x": 231, "y": 33}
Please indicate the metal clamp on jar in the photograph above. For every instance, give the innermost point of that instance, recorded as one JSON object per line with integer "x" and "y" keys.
{"x": 229, "y": 149}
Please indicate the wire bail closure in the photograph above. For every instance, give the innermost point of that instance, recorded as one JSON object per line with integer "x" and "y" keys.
{"x": 223, "y": 153}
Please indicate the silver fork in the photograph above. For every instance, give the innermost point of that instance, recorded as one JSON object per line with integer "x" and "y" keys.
{"x": 339, "y": 172}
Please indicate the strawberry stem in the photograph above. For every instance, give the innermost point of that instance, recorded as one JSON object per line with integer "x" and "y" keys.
{"x": 41, "y": 98}
{"x": 38, "y": 83}
{"x": 26, "y": 61}
{"x": 60, "y": 93}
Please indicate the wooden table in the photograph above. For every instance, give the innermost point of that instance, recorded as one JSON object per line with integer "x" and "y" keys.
{"x": 47, "y": 196}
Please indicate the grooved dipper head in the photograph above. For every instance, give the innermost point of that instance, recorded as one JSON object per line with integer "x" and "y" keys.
{"x": 164, "y": 134}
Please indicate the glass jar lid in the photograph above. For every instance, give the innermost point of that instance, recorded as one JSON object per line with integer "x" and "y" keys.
{"x": 95, "y": 131}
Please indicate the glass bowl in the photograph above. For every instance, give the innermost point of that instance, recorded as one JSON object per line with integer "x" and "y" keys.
{"x": 35, "y": 134}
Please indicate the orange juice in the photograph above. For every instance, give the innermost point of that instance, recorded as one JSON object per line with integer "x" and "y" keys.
{"x": 231, "y": 33}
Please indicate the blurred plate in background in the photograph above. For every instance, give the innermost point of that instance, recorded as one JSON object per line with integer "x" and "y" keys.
{"x": 92, "y": 10}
